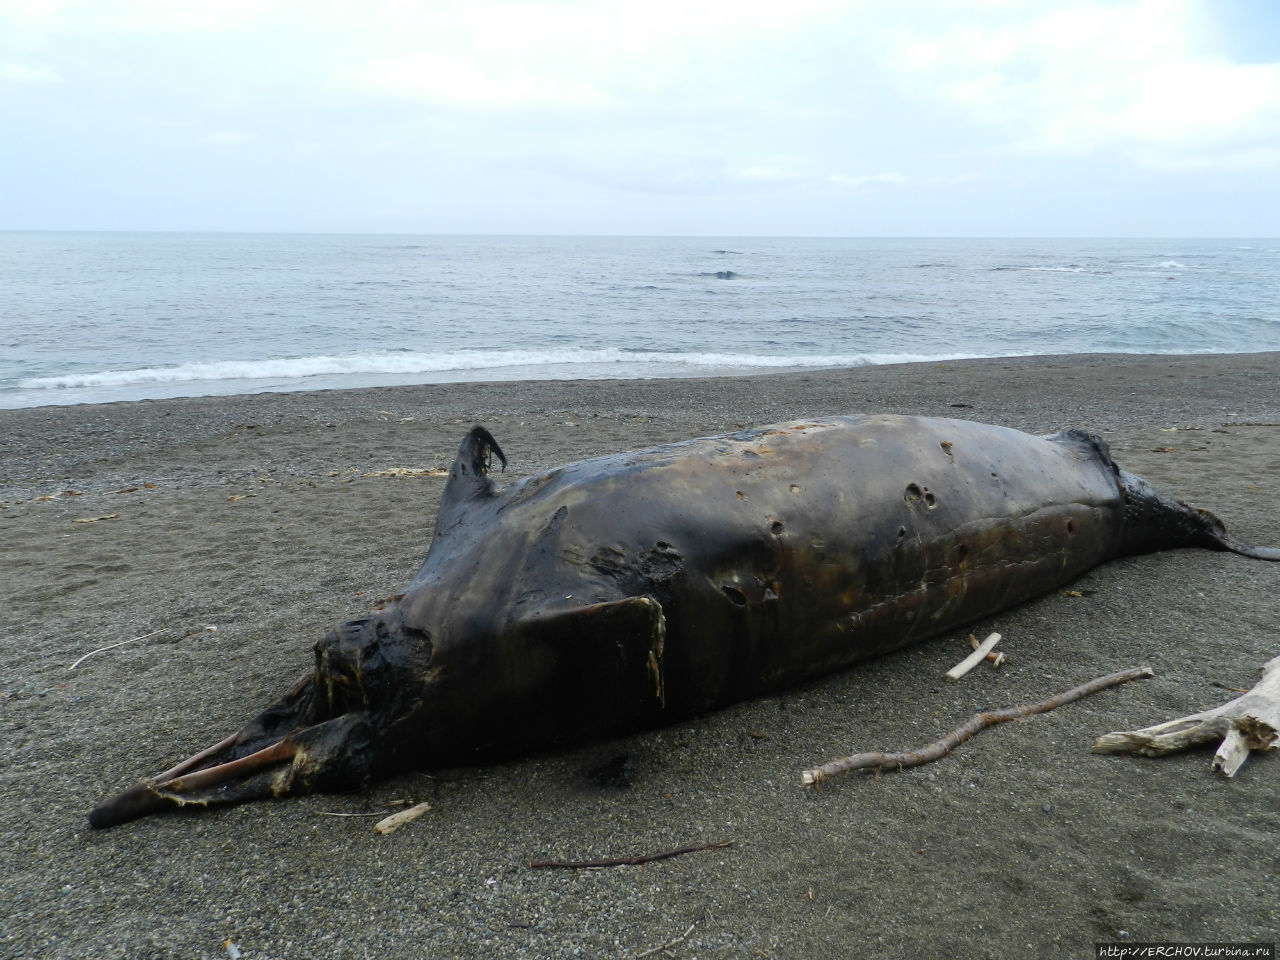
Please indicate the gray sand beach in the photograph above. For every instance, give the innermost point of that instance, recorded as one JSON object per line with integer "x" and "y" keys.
{"x": 237, "y": 530}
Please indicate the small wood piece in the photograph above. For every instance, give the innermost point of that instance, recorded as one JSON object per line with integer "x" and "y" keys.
{"x": 625, "y": 861}
{"x": 398, "y": 820}
{"x": 976, "y": 723}
{"x": 995, "y": 658}
{"x": 1249, "y": 722}
{"x": 973, "y": 659}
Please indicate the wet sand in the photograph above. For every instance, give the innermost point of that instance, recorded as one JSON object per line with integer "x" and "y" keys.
{"x": 258, "y": 516}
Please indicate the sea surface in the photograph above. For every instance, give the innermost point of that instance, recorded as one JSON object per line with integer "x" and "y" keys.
{"x": 92, "y": 317}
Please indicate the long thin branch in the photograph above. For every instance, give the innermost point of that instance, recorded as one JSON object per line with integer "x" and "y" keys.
{"x": 626, "y": 861}
{"x": 112, "y": 646}
{"x": 976, "y": 723}
{"x": 669, "y": 944}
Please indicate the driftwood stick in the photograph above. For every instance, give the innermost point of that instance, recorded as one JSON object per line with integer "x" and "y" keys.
{"x": 112, "y": 646}
{"x": 625, "y": 861}
{"x": 1249, "y": 722}
{"x": 669, "y": 944}
{"x": 993, "y": 658}
{"x": 979, "y": 721}
{"x": 398, "y": 820}
{"x": 972, "y": 660}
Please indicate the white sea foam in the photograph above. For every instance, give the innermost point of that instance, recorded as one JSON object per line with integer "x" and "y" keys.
{"x": 1072, "y": 268}
{"x": 543, "y": 363}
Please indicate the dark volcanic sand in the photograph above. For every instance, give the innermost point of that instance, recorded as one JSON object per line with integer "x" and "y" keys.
{"x": 262, "y": 523}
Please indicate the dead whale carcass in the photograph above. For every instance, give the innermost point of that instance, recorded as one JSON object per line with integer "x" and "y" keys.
{"x": 628, "y": 591}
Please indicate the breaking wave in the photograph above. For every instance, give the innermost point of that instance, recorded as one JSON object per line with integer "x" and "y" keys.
{"x": 479, "y": 365}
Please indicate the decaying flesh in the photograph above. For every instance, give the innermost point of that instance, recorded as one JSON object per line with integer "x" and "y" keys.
{"x": 628, "y": 591}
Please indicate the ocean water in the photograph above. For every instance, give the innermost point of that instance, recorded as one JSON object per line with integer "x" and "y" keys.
{"x": 92, "y": 317}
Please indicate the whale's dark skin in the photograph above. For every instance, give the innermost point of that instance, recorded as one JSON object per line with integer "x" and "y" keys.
{"x": 629, "y": 591}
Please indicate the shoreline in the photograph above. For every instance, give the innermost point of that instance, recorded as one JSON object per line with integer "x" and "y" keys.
{"x": 592, "y": 372}
{"x": 43, "y": 444}
{"x": 263, "y": 516}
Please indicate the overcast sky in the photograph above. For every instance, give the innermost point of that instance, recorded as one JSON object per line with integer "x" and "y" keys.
{"x": 723, "y": 117}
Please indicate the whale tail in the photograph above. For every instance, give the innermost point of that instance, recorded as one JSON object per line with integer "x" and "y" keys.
{"x": 1153, "y": 522}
